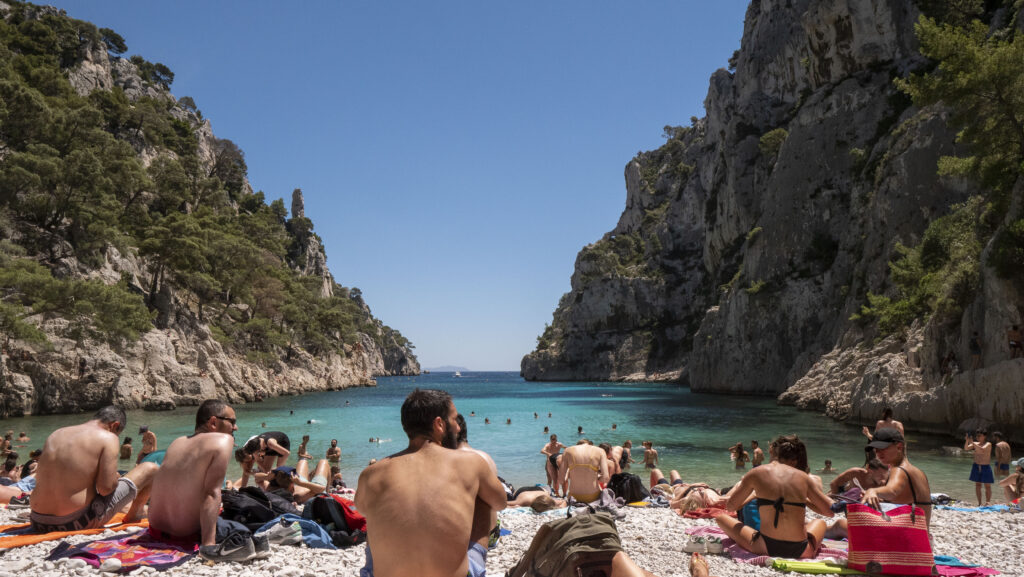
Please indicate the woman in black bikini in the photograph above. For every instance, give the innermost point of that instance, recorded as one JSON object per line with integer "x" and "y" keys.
{"x": 784, "y": 491}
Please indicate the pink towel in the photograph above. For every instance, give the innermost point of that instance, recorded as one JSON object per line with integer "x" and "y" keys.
{"x": 949, "y": 571}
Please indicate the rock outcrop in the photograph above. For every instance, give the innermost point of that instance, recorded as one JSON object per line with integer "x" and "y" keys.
{"x": 750, "y": 239}
{"x": 181, "y": 361}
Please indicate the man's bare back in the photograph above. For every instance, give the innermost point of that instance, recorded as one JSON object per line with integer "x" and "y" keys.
{"x": 77, "y": 462}
{"x": 419, "y": 509}
{"x": 420, "y": 504}
{"x": 190, "y": 468}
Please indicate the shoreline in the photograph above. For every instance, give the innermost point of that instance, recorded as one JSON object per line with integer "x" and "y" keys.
{"x": 652, "y": 537}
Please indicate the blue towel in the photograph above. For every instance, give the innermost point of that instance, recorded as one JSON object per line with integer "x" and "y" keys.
{"x": 985, "y": 509}
{"x": 950, "y": 561}
{"x": 313, "y": 534}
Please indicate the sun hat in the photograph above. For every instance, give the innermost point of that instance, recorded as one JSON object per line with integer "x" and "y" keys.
{"x": 1018, "y": 462}
{"x": 285, "y": 470}
{"x": 885, "y": 437}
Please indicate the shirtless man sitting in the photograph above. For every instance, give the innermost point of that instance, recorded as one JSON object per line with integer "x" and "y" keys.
{"x": 486, "y": 530}
{"x": 870, "y": 476}
{"x": 77, "y": 482}
{"x": 583, "y": 467}
{"x": 186, "y": 499}
{"x": 425, "y": 527}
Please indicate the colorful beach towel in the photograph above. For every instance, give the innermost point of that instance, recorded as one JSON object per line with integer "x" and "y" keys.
{"x": 20, "y": 535}
{"x": 142, "y": 550}
{"x": 985, "y": 509}
{"x": 830, "y": 550}
{"x": 950, "y": 566}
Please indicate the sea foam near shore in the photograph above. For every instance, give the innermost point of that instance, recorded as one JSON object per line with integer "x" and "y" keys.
{"x": 652, "y": 537}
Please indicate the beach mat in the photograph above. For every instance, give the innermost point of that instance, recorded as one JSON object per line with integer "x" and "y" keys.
{"x": 831, "y": 550}
{"x": 20, "y": 535}
{"x": 985, "y": 509}
{"x": 707, "y": 513}
{"x": 812, "y": 567}
{"x": 134, "y": 551}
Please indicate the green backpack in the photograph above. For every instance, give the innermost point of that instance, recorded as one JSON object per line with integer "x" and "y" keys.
{"x": 580, "y": 546}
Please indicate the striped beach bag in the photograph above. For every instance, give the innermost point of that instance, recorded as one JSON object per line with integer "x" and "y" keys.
{"x": 890, "y": 543}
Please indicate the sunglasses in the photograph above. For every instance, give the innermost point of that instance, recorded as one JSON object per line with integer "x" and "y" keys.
{"x": 231, "y": 420}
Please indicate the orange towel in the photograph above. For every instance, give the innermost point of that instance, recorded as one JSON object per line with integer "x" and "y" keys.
{"x": 706, "y": 513}
{"x": 115, "y": 524}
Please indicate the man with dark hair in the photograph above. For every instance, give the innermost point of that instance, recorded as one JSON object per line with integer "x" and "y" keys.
{"x": 77, "y": 482}
{"x": 423, "y": 527}
{"x": 186, "y": 490}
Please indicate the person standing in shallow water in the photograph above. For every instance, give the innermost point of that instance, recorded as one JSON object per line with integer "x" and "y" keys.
{"x": 981, "y": 470}
{"x": 758, "y": 455}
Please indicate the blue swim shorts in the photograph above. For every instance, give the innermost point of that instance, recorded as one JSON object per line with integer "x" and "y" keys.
{"x": 982, "y": 473}
{"x": 477, "y": 556}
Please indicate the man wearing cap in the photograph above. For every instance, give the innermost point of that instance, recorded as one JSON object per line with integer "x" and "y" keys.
{"x": 296, "y": 484}
{"x": 907, "y": 485}
{"x": 185, "y": 501}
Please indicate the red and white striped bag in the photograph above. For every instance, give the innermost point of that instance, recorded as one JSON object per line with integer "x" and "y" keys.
{"x": 890, "y": 543}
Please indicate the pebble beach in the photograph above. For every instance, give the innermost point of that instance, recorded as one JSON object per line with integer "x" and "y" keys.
{"x": 652, "y": 537}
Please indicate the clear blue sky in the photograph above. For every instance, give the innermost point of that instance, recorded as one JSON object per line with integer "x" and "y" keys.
{"x": 454, "y": 155}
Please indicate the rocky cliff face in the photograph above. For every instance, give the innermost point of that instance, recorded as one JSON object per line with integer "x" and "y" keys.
{"x": 753, "y": 235}
{"x": 180, "y": 362}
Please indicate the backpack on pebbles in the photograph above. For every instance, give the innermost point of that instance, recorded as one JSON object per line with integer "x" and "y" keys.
{"x": 580, "y": 546}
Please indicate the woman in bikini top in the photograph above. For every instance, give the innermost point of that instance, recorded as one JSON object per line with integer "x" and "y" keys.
{"x": 786, "y": 534}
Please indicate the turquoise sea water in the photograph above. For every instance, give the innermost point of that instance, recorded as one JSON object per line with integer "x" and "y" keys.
{"x": 691, "y": 431}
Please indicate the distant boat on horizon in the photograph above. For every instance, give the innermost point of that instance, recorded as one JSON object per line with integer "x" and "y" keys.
{"x": 457, "y": 374}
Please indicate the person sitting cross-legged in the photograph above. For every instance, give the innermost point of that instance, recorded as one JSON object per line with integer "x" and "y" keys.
{"x": 784, "y": 492}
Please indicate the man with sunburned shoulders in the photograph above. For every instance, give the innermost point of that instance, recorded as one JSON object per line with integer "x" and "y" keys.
{"x": 420, "y": 503}
{"x": 77, "y": 484}
{"x": 186, "y": 495}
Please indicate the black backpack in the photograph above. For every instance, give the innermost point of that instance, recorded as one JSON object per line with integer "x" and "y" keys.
{"x": 629, "y": 487}
{"x": 254, "y": 507}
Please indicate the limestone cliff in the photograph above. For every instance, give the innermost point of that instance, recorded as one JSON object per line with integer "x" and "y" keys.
{"x": 182, "y": 360}
{"x": 750, "y": 239}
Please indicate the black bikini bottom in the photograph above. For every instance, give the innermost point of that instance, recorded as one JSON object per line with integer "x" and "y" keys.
{"x": 780, "y": 548}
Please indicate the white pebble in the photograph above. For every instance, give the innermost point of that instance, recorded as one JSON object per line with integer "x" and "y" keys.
{"x": 111, "y": 565}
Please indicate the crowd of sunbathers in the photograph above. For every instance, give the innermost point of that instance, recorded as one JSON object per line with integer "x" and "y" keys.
{"x": 73, "y": 483}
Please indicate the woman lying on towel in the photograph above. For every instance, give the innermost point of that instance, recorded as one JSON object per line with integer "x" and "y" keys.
{"x": 683, "y": 497}
{"x": 784, "y": 492}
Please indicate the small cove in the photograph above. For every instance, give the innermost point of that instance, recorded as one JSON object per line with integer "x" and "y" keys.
{"x": 691, "y": 431}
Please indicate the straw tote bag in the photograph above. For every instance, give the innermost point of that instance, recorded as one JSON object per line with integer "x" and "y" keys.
{"x": 891, "y": 543}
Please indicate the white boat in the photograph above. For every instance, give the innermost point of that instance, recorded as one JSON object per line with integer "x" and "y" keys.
{"x": 457, "y": 374}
